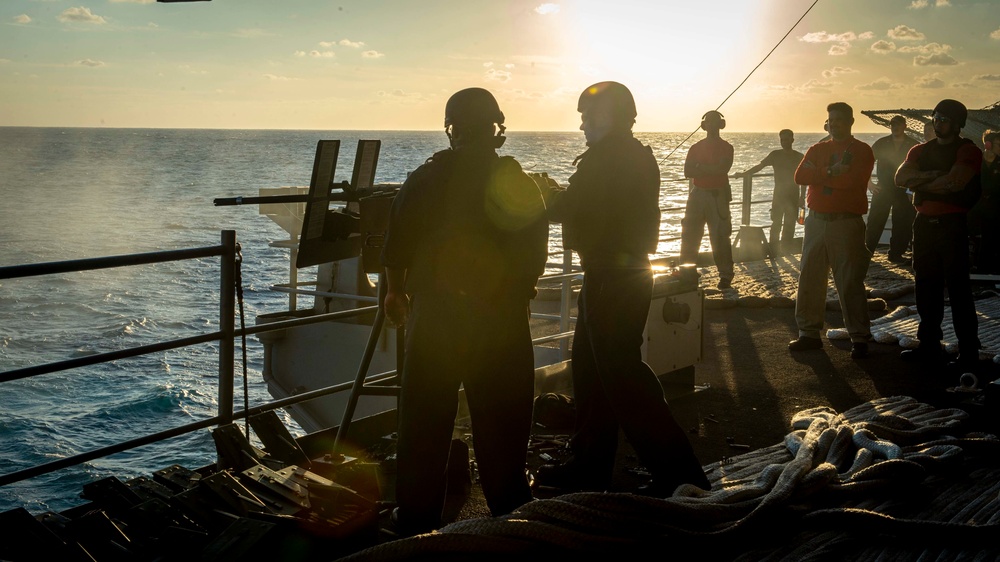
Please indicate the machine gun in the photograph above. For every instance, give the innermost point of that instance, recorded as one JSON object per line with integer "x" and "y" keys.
{"x": 333, "y": 234}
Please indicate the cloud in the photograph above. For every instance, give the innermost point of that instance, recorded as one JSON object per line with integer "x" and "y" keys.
{"x": 132, "y": 1}
{"x": 883, "y": 47}
{"x": 372, "y": 55}
{"x": 81, "y": 14}
{"x": 837, "y": 50}
{"x": 929, "y": 81}
{"x": 937, "y": 59}
{"x": 400, "y": 96}
{"x": 300, "y": 53}
{"x": 918, "y": 4}
{"x": 23, "y": 18}
{"x": 816, "y": 87}
{"x": 251, "y": 33}
{"x": 928, "y": 49}
{"x": 89, "y": 62}
{"x": 342, "y": 43}
{"x": 866, "y": 36}
{"x": 995, "y": 34}
{"x": 881, "y": 84}
{"x": 322, "y": 54}
{"x": 190, "y": 70}
{"x": 837, "y": 71}
{"x": 277, "y": 77}
{"x": 547, "y": 9}
{"x": 905, "y": 33}
{"x": 824, "y": 37}
{"x": 988, "y": 77}
{"x": 497, "y": 75}
{"x": 962, "y": 85}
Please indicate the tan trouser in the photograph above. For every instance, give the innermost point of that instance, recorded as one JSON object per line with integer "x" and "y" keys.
{"x": 837, "y": 245}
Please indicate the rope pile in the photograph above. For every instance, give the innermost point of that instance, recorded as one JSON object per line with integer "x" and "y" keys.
{"x": 900, "y": 326}
{"x": 838, "y": 481}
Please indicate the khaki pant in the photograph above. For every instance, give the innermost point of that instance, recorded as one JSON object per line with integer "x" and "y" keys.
{"x": 837, "y": 245}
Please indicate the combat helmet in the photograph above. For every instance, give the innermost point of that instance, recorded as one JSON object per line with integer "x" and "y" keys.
{"x": 610, "y": 94}
{"x": 472, "y": 106}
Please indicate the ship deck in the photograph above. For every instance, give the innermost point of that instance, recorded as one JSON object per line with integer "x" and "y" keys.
{"x": 748, "y": 388}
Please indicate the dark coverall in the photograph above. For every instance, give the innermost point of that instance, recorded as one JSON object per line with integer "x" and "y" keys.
{"x": 890, "y": 198}
{"x": 469, "y": 227}
{"x": 984, "y": 220}
{"x": 941, "y": 255}
{"x": 610, "y": 214}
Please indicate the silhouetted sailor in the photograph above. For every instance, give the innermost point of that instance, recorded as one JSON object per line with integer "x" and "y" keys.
{"x": 837, "y": 172}
{"x": 890, "y": 151}
{"x": 611, "y": 216}
{"x": 984, "y": 218}
{"x": 944, "y": 175}
{"x": 707, "y": 164}
{"x": 466, "y": 242}
{"x": 785, "y": 200}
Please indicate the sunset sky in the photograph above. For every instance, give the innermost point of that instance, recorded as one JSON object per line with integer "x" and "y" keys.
{"x": 384, "y": 64}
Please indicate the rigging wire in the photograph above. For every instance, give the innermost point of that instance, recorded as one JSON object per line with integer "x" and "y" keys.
{"x": 785, "y": 36}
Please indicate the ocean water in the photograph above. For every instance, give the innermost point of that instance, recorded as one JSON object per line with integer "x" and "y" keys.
{"x": 71, "y": 193}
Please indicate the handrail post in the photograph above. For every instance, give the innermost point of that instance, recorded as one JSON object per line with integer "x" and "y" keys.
{"x": 564, "y": 302}
{"x": 747, "y": 195}
{"x": 227, "y": 319}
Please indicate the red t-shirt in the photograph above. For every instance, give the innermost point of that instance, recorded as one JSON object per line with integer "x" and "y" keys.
{"x": 968, "y": 155}
{"x": 846, "y": 193}
{"x": 710, "y": 151}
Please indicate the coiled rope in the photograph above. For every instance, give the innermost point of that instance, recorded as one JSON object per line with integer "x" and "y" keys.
{"x": 837, "y": 478}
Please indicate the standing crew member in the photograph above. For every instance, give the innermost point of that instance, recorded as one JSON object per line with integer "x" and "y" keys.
{"x": 611, "y": 217}
{"x": 944, "y": 175}
{"x": 984, "y": 218}
{"x": 785, "y": 200}
{"x": 890, "y": 151}
{"x": 837, "y": 172}
{"x": 466, "y": 242}
{"x": 707, "y": 164}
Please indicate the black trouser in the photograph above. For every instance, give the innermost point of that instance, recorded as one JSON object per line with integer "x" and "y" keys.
{"x": 485, "y": 347}
{"x": 941, "y": 260}
{"x": 894, "y": 199}
{"x": 613, "y": 387}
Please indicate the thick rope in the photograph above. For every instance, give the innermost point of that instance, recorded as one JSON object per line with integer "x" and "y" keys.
{"x": 859, "y": 457}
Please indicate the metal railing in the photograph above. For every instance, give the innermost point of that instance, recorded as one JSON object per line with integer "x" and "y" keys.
{"x": 225, "y": 336}
{"x": 227, "y": 333}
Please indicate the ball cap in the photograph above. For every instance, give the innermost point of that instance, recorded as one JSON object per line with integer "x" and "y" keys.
{"x": 954, "y": 110}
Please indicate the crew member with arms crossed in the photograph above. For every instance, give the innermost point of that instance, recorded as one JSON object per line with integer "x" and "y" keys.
{"x": 944, "y": 175}
{"x": 837, "y": 172}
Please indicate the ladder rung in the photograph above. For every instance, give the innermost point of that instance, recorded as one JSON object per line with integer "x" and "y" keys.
{"x": 379, "y": 390}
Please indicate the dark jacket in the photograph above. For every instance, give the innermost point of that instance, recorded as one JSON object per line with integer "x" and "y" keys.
{"x": 941, "y": 157}
{"x": 611, "y": 209}
{"x": 468, "y": 223}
